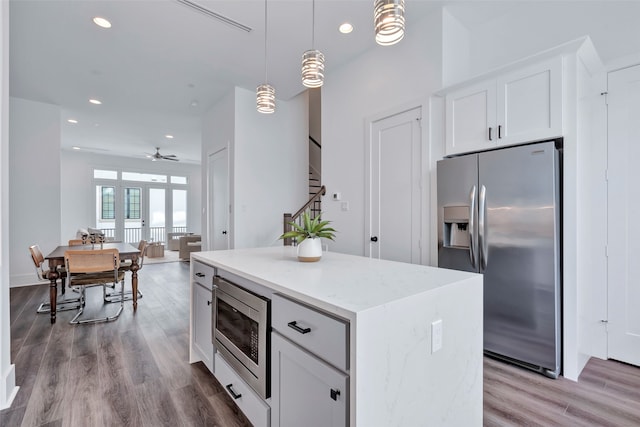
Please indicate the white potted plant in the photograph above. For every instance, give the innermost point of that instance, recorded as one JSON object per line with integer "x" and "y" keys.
{"x": 308, "y": 235}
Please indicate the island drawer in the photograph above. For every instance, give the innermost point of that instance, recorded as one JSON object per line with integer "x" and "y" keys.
{"x": 249, "y": 402}
{"x": 323, "y": 335}
{"x": 203, "y": 274}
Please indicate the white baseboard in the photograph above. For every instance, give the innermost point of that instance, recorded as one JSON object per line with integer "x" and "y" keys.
{"x": 23, "y": 280}
{"x": 8, "y": 388}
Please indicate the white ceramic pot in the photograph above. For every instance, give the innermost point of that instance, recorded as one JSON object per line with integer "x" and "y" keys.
{"x": 310, "y": 250}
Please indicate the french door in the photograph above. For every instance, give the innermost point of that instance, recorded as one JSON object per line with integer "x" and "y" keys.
{"x": 131, "y": 212}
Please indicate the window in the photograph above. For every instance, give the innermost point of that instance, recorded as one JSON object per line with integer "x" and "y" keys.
{"x": 143, "y": 177}
{"x": 132, "y": 203}
{"x": 107, "y": 203}
{"x": 102, "y": 174}
{"x": 178, "y": 179}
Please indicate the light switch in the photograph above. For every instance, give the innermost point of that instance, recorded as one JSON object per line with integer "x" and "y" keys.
{"x": 344, "y": 206}
{"x": 336, "y": 196}
{"x": 436, "y": 335}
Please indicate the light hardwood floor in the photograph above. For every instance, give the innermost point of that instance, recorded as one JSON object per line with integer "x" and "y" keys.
{"x": 135, "y": 372}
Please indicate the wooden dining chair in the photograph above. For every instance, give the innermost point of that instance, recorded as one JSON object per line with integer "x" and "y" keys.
{"x": 97, "y": 267}
{"x": 124, "y": 267}
{"x": 63, "y": 303}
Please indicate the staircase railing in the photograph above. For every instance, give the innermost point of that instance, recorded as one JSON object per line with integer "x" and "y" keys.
{"x": 313, "y": 206}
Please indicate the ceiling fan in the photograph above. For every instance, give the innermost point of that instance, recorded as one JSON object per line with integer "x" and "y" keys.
{"x": 157, "y": 156}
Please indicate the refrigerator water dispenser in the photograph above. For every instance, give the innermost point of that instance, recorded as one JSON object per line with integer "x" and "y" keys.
{"x": 456, "y": 227}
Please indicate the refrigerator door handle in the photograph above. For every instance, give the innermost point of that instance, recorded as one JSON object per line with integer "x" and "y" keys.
{"x": 472, "y": 226}
{"x": 482, "y": 229}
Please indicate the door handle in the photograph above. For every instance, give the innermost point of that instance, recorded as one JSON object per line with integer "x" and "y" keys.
{"x": 472, "y": 226}
{"x": 482, "y": 229}
{"x": 374, "y": 239}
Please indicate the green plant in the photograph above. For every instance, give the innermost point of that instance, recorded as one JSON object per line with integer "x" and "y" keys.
{"x": 310, "y": 228}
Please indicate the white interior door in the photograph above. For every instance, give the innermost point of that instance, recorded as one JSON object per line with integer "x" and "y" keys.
{"x": 623, "y": 213}
{"x": 395, "y": 208}
{"x": 219, "y": 200}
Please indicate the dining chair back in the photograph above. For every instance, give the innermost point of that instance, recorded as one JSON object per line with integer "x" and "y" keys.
{"x": 97, "y": 267}
{"x": 77, "y": 242}
{"x": 43, "y": 275}
{"x": 113, "y": 297}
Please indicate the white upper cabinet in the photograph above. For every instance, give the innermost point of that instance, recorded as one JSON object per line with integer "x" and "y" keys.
{"x": 471, "y": 117}
{"x": 519, "y": 106}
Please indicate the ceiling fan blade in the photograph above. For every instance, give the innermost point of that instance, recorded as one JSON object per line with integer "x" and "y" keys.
{"x": 168, "y": 155}
{"x": 171, "y": 158}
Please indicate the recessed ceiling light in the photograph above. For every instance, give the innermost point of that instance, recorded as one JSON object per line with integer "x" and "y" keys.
{"x": 74, "y": 121}
{"x": 95, "y": 101}
{"x": 169, "y": 136}
{"x": 75, "y": 148}
{"x": 101, "y": 22}
{"x": 345, "y": 28}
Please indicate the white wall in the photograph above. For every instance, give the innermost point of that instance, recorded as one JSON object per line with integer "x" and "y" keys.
{"x": 530, "y": 27}
{"x": 78, "y": 192}
{"x": 378, "y": 81}
{"x": 8, "y": 387}
{"x": 34, "y": 183}
{"x": 271, "y": 167}
{"x": 268, "y": 163}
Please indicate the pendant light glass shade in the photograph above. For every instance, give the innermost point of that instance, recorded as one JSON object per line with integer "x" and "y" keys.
{"x": 266, "y": 99}
{"x": 388, "y": 19}
{"x": 265, "y": 93}
{"x": 313, "y": 59}
{"x": 312, "y": 68}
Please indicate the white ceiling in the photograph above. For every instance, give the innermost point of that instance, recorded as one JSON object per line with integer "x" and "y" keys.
{"x": 161, "y": 57}
{"x": 162, "y": 65}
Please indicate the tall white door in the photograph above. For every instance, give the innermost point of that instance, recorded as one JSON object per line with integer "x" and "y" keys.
{"x": 623, "y": 216}
{"x": 395, "y": 203}
{"x": 219, "y": 200}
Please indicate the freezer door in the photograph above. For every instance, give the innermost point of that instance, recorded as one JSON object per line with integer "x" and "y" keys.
{"x": 519, "y": 231}
{"x": 458, "y": 213}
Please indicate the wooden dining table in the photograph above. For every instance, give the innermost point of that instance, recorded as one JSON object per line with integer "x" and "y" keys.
{"x": 56, "y": 259}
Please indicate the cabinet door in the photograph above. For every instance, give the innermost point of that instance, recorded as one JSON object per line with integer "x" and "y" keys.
{"x": 530, "y": 103}
{"x": 471, "y": 118}
{"x": 304, "y": 390}
{"x": 202, "y": 342}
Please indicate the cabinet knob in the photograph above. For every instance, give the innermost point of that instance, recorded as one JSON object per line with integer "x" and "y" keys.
{"x": 208, "y": 302}
{"x": 490, "y": 138}
{"x": 335, "y": 394}
{"x": 224, "y": 232}
{"x": 374, "y": 239}
{"x": 499, "y": 131}
{"x": 200, "y": 275}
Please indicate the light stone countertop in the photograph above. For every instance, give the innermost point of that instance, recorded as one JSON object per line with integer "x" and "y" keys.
{"x": 341, "y": 284}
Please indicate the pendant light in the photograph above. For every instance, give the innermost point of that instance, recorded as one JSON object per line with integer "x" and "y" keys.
{"x": 265, "y": 93}
{"x": 388, "y": 19}
{"x": 313, "y": 60}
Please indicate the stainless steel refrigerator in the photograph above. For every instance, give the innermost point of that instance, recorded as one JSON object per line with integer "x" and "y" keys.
{"x": 499, "y": 214}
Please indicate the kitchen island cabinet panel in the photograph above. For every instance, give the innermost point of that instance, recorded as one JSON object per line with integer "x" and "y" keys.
{"x": 306, "y": 391}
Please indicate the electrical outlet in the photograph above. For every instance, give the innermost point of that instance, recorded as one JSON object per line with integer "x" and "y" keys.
{"x": 436, "y": 335}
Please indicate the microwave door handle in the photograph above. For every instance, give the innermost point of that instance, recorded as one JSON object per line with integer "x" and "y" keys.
{"x": 472, "y": 226}
{"x": 482, "y": 229}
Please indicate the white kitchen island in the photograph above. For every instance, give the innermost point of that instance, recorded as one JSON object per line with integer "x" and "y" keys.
{"x": 397, "y": 373}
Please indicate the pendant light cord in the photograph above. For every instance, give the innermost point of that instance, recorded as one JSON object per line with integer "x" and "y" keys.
{"x": 313, "y": 24}
{"x": 265, "y": 41}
